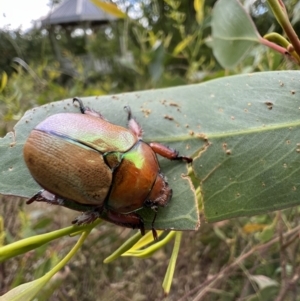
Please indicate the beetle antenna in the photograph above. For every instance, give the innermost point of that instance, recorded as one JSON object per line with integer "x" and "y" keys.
{"x": 154, "y": 233}
{"x": 81, "y": 106}
{"x": 133, "y": 124}
{"x": 128, "y": 110}
{"x": 152, "y": 224}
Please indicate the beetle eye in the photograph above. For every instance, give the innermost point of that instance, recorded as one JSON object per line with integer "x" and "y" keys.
{"x": 148, "y": 203}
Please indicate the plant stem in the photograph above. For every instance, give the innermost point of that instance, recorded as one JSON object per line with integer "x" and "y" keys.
{"x": 279, "y": 49}
{"x": 280, "y": 13}
{"x": 74, "y": 250}
{"x": 171, "y": 267}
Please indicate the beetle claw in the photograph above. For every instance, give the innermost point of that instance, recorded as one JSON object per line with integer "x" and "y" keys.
{"x": 133, "y": 124}
{"x": 86, "y": 218}
{"x": 81, "y": 106}
{"x": 128, "y": 111}
{"x": 46, "y": 196}
{"x": 154, "y": 233}
{"x": 168, "y": 152}
{"x": 87, "y": 110}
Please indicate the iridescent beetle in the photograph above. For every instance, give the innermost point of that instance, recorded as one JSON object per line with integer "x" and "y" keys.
{"x": 88, "y": 164}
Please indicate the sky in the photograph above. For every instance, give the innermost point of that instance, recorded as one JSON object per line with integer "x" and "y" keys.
{"x": 16, "y": 13}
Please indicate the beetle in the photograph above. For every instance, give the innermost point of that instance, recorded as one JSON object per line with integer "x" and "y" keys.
{"x": 85, "y": 163}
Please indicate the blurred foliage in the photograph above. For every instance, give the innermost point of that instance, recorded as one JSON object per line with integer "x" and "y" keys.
{"x": 163, "y": 44}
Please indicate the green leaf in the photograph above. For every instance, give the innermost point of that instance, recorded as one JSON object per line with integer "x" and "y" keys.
{"x": 252, "y": 163}
{"x": 233, "y": 32}
{"x": 142, "y": 249}
{"x": 268, "y": 293}
{"x": 199, "y": 9}
{"x": 243, "y": 132}
{"x": 109, "y": 8}
{"x": 183, "y": 44}
{"x": 124, "y": 247}
{"x": 3, "y": 81}
{"x": 28, "y": 291}
{"x": 24, "y": 245}
{"x": 262, "y": 281}
{"x": 172, "y": 263}
{"x": 181, "y": 213}
{"x": 156, "y": 66}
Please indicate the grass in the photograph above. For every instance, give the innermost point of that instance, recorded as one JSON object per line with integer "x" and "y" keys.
{"x": 229, "y": 260}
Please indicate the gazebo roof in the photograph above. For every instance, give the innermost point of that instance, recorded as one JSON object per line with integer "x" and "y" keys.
{"x": 73, "y": 12}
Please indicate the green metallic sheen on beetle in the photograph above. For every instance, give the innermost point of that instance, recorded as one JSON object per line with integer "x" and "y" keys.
{"x": 85, "y": 163}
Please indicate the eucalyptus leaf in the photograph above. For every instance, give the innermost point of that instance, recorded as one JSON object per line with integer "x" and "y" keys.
{"x": 251, "y": 163}
{"x": 26, "y": 291}
{"x": 233, "y": 32}
{"x": 243, "y": 132}
{"x": 149, "y": 108}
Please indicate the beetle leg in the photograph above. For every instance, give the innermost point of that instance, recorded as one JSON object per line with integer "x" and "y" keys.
{"x": 168, "y": 152}
{"x": 46, "y": 196}
{"x": 86, "y": 217}
{"x": 133, "y": 124}
{"x": 130, "y": 220}
{"x": 87, "y": 110}
{"x": 50, "y": 198}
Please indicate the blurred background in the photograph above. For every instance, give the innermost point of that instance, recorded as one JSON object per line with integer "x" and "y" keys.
{"x": 52, "y": 50}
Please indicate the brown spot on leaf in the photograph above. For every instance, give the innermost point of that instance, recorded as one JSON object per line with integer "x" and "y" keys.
{"x": 146, "y": 112}
{"x": 163, "y": 102}
{"x": 174, "y": 104}
{"x": 269, "y": 105}
{"x": 201, "y": 136}
{"x": 168, "y": 117}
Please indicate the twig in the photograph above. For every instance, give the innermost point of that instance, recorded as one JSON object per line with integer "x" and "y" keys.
{"x": 226, "y": 271}
{"x": 288, "y": 285}
{"x": 284, "y": 280}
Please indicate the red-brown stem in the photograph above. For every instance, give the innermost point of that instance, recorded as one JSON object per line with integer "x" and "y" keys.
{"x": 280, "y": 13}
{"x": 277, "y": 48}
